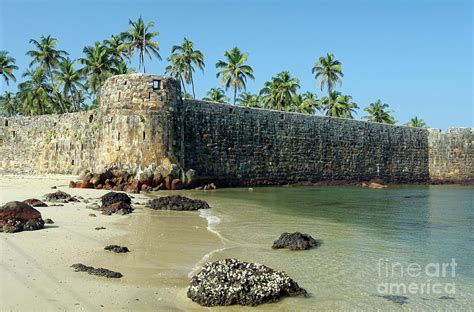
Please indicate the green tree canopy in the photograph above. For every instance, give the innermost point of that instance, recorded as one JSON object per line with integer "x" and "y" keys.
{"x": 98, "y": 66}
{"x": 7, "y": 66}
{"x": 279, "y": 92}
{"x": 379, "y": 112}
{"x": 9, "y": 104}
{"x": 338, "y": 105}
{"x": 328, "y": 72}
{"x": 417, "y": 123}
{"x": 140, "y": 39}
{"x": 248, "y": 99}
{"x": 234, "y": 72}
{"x": 185, "y": 57}
{"x": 71, "y": 82}
{"x": 35, "y": 93}
{"x": 216, "y": 95}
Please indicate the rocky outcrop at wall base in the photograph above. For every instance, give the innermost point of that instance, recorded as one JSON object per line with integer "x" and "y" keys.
{"x": 143, "y": 127}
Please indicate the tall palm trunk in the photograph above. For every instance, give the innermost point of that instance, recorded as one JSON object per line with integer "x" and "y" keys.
{"x": 182, "y": 83}
{"x": 192, "y": 83}
{"x": 55, "y": 90}
{"x": 235, "y": 93}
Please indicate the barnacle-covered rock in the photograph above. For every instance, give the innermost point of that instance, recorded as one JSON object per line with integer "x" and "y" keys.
{"x": 232, "y": 281}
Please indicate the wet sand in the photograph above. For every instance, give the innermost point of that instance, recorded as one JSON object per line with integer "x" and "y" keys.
{"x": 35, "y": 272}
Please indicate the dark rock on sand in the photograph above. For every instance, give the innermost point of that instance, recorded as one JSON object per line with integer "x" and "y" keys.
{"x": 92, "y": 215}
{"x": 121, "y": 208}
{"x": 59, "y": 197}
{"x": 78, "y": 267}
{"x": 231, "y": 281}
{"x": 48, "y": 221}
{"x": 33, "y": 202}
{"x": 99, "y": 228}
{"x": 117, "y": 248}
{"x": 18, "y": 216}
{"x": 401, "y": 300}
{"x": 115, "y": 197}
{"x": 177, "y": 202}
{"x": 295, "y": 241}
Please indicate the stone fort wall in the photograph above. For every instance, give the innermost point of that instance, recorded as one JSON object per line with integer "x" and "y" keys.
{"x": 143, "y": 123}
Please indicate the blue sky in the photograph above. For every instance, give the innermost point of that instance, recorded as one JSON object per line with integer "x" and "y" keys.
{"x": 414, "y": 55}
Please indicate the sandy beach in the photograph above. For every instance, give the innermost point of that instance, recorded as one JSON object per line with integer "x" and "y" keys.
{"x": 35, "y": 270}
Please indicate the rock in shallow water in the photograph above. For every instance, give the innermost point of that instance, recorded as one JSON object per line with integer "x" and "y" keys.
{"x": 18, "y": 216}
{"x": 295, "y": 241}
{"x": 115, "y": 197}
{"x": 177, "y": 202}
{"x": 79, "y": 267}
{"x": 232, "y": 281}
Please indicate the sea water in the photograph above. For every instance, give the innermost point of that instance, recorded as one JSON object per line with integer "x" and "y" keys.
{"x": 400, "y": 248}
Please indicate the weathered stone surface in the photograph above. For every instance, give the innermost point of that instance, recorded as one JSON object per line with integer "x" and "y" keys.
{"x": 33, "y": 202}
{"x": 117, "y": 248}
{"x": 79, "y": 267}
{"x": 451, "y": 155}
{"x": 295, "y": 241}
{"x": 59, "y": 197}
{"x": 142, "y": 126}
{"x": 177, "y": 202}
{"x": 231, "y": 281}
{"x": 18, "y": 216}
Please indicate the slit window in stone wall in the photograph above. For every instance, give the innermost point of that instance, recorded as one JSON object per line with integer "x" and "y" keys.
{"x": 91, "y": 117}
{"x": 6, "y": 122}
{"x": 118, "y": 136}
{"x": 156, "y": 84}
{"x": 13, "y": 134}
{"x": 144, "y": 135}
{"x": 72, "y": 162}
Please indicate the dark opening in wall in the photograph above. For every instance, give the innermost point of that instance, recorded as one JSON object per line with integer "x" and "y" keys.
{"x": 231, "y": 110}
{"x": 156, "y": 84}
{"x": 6, "y": 122}
{"x": 13, "y": 134}
{"x": 91, "y": 117}
{"x": 72, "y": 162}
{"x": 143, "y": 135}
{"x": 118, "y": 136}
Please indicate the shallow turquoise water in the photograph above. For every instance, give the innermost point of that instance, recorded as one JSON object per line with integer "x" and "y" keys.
{"x": 368, "y": 238}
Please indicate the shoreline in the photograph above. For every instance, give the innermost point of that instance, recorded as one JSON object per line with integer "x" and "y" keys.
{"x": 166, "y": 247}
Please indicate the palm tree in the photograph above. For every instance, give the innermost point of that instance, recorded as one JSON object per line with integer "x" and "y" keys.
{"x": 234, "y": 72}
{"x": 306, "y": 103}
{"x": 379, "y": 112}
{"x": 216, "y": 95}
{"x": 115, "y": 48}
{"x": 48, "y": 57}
{"x": 248, "y": 99}
{"x": 121, "y": 68}
{"x": 7, "y": 66}
{"x": 35, "y": 93}
{"x": 9, "y": 105}
{"x": 139, "y": 38}
{"x": 417, "y": 123}
{"x": 338, "y": 105}
{"x": 188, "y": 57}
{"x": 176, "y": 68}
{"x": 98, "y": 66}
{"x": 71, "y": 82}
{"x": 279, "y": 92}
{"x": 328, "y": 71}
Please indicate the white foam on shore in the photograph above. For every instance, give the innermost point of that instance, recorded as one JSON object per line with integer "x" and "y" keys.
{"x": 212, "y": 222}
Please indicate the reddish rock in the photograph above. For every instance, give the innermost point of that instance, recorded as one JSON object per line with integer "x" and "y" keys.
{"x": 85, "y": 184}
{"x": 167, "y": 183}
{"x": 72, "y": 184}
{"x": 99, "y": 186}
{"x": 33, "y": 202}
{"x": 18, "y": 216}
{"x": 144, "y": 187}
{"x": 176, "y": 184}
